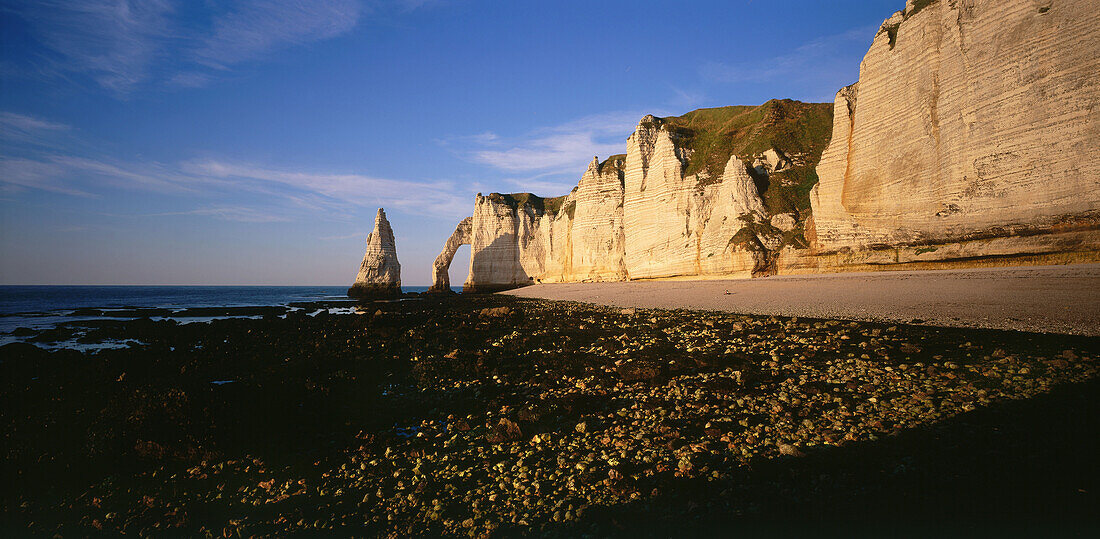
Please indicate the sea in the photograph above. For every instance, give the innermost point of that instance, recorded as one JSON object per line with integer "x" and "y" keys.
{"x": 37, "y": 308}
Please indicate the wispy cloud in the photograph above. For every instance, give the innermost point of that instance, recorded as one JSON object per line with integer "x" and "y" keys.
{"x": 18, "y": 128}
{"x": 299, "y": 193}
{"x": 340, "y": 237}
{"x": 256, "y": 27}
{"x": 18, "y": 174}
{"x": 124, "y": 44}
{"x": 18, "y": 123}
{"x": 272, "y": 193}
{"x": 687, "y": 98}
{"x": 544, "y": 187}
{"x": 239, "y": 214}
{"x": 112, "y": 41}
{"x": 329, "y": 190}
{"x": 809, "y": 59}
{"x": 563, "y": 148}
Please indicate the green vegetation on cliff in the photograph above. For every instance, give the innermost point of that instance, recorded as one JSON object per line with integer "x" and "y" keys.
{"x": 795, "y": 129}
{"x": 616, "y": 162}
{"x": 540, "y": 204}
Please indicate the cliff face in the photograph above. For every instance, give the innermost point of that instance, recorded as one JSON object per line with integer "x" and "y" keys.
{"x": 380, "y": 272}
{"x": 597, "y": 229}
{"x": 972, "y": 136}
{"x": 974, "y": 130}
{"x": 519, "y": 239}
{"x": 683, "y": 200}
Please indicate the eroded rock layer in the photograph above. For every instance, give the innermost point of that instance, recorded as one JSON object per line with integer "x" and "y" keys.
{"x": 380, "y": 272}
{"x": 971, "y": 121}
{"x": 596, "y": 233}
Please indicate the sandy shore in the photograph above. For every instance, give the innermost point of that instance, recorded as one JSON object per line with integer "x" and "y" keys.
{"x": 1051, "y": 299}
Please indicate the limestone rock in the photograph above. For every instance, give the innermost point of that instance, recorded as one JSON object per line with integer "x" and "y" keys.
{"x": 729, "y": 209}
{"x": 784, "y": 221}
{"x": 638, "y": 215}
{"x": 772, "y": 160}
{"x": 658, "y": 220}
{"x": 597, "y": 236}
{"x": 972, "y": 133}
{"x": 380, "y": 273}
{"x": 519, "y": 239}
{"x": 441, "y": 279}
{"x": 974, "y": 122}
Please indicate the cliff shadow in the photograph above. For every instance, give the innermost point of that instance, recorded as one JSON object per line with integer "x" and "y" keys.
{"x": 500, "y": 258}
{"x": 1016, "y": 468}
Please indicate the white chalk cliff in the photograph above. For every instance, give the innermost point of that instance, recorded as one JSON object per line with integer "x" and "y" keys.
{"x": 380, "y": 272}
{"x": 974, "y": 130}
{"x": 972, "y": 137}
{"x": 638, "y": 215}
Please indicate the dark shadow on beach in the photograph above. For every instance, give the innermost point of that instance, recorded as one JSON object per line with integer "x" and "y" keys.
{"x": 1016, "y": 469}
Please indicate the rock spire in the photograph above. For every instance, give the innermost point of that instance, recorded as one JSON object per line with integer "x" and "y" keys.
{"x": 380, "y": 273}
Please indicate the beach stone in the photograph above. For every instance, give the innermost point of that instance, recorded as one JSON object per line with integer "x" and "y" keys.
{"x": 790, "y": 451}
{"x": 504, "y": 431}
{"x": 495, "y": 312}
{"x": 639, "y": 371}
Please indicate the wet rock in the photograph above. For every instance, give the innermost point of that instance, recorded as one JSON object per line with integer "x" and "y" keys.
{"x": 504, "y": 431}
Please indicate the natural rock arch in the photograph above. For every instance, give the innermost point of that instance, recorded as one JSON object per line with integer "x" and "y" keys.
{"x": 441, "y": 280}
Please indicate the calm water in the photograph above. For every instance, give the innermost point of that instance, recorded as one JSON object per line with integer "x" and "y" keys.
{"x": 42, "y": 307}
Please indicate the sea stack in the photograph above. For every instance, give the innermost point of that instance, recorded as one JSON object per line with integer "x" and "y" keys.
{"x": 380, "y": 272}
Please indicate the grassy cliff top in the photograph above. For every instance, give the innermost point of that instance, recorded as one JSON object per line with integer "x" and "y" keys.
{"x": 617, "y": 162}
{"x": 792, "y": 127}
{"x": 713, "y": 135}
{"x": 518, "y": 200}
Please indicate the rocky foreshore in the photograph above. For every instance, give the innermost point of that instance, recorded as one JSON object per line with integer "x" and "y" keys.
{"x": 501, "y": 416}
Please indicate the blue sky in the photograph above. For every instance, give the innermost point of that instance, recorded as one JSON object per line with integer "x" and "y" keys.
{"x": 250, "y": 141}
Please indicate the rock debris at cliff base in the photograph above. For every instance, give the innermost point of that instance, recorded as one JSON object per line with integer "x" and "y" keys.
{"x": 491, "y": 415}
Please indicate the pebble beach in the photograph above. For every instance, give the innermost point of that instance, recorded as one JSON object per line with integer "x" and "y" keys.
{"x": 500, "y": 416}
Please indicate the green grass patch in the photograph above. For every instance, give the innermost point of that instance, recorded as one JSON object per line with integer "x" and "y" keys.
{"x": 715, "y": 134}
{"x": 540, "y": 204}
{"x": 617, "y": 162}
{"x": 792, "y": 127}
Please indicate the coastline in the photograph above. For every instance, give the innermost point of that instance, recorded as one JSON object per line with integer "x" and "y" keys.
{"x": 1047, "y": 299}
